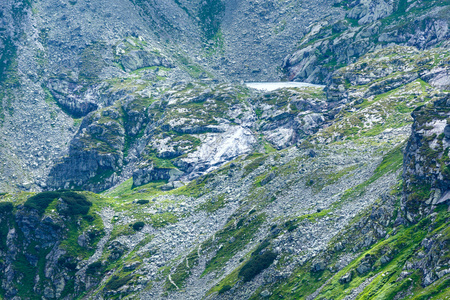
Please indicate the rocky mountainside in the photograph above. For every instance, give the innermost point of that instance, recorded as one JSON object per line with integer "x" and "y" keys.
{"x": 367, "y": 26}
{"x": 335, "y": 213}
{"x": 64, "y": 59}
{"x": 138, "y": 165}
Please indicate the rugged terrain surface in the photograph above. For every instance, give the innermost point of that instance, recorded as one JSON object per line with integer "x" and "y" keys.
{"x": 137, "y": 165}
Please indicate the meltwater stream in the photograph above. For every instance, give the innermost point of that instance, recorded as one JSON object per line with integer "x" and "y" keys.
{"x": 271, "y": 86}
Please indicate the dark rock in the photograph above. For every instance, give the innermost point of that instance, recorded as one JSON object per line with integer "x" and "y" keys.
{"x": 385, "y": 259}
{"x": 149, "y": 173}
{"x": 83, "y": 240}
{"x": 318, "y": 266}
{"x": 117, "y": 249}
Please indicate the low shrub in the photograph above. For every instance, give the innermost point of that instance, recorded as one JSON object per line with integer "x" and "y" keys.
{"x": 77, "y": 203}
{"x": 68, "y": 262}
{"x": 6, "y": 207}
{"x": 261, "y": 247}
{"x": 94, "y": 268}
{"x": 138, "y": 226}
{"x": 41, "y": 201}
{"x": 116, "y": 282}
{"x": 225, "y": 289}
{"x": 256, "y": 265}
{"x": 142, "y": 202}
{"x": 291, "y": 226}
{"x": 89, "y": 218}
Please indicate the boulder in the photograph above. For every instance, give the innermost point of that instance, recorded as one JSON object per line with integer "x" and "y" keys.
{"x": 363, "y": 268}
{"x": 346, "y": 278}
{"x": 318, "y": 266}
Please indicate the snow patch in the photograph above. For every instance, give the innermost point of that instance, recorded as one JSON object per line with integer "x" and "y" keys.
{"x": 272, "y": 86}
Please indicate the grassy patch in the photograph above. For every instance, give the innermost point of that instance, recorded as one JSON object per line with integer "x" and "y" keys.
{"x": 252, "y": 166}
{"x": 209, "y": 17}
{"x": 138, "y": 226}
{"x": 233, "y": 239}
{"x": 77, "y": 204}
{"x": 391, "y": 162}
{"x": 6, "y": 207}
{"x": 213, "y": 204}
{"x": 117, "y": 282}
{"x": 163, "y": 219}
{"x": 384, "y": 284}
{"x": 183, "y": 270}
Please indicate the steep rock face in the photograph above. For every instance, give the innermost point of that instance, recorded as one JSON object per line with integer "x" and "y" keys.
{"x": 192, "y": 129}
{"x": 74, "y": 51}
{"x": 369, "y": 25}
{"x": 95, "y": 153}
{"x": 369, "y": 11}
{"x": 88, "y": 89}
{"x": 426, "y": 167}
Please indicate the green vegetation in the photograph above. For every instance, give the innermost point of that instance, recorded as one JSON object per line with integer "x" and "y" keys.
{"x": 6, "y": 207}
{"x": 256, "y": 265}
{"x": 9, "y": 54}
{"x": 116, "y": 282}
{"x": 138, "y": 226}
{"x": 77, "y": 203}
{"x": 6, "y": 220}
{"x": 387, "y": 281}
{"x": 142, "y": 202}
{"x": 233, "y": 238}
{"x": 183, "y": 270}
{"x": 163, "y": 219}
{"x": 225, "y": 289}
{"x": 320, "y": 179}
{"x": 214, "y": 204}
{"x": 41, "y": 201}
{"x": 252, "y": 166}
{"x": 94, "y": 268}
{"x": 78, "y": 223}
{"x": 194, "y": 188}
{"x": 126, "y": 190}
{"x": 92, "y": 62}
{"x": 193, "y": 69}
{"x": 391, "y": 162}
{"x": 210, "y": 15}
{"x": 152, "y": 157}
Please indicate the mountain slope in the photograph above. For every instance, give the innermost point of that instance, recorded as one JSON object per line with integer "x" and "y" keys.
{"x": 328, "y": 217}
{"x": 138, "y": 165}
